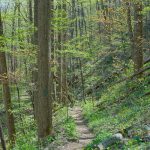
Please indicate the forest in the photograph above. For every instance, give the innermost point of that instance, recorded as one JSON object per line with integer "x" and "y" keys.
{"x": 74, "y": 74}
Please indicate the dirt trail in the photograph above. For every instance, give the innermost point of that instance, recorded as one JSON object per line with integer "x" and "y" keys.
{"x": 85, "y": 136}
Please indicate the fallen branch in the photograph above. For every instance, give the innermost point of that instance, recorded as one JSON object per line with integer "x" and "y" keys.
{"x": 89, "y": 91}
{"x": 134, "y": 75}
{"x": 105, "y": 104}
{"x": 147, "y": 61}
{"x": 147, "y": 94}
{"x": 104, "y": 80}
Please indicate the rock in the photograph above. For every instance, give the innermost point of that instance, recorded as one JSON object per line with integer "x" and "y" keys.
{"x": 146, "y": 136}
{"x": 146, "y": 139}
{"x": 115, "y": 139}
{"x": 147, "y": 130}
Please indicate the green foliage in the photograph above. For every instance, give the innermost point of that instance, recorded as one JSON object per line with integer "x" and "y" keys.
{"x": 121, "y": 106}
{"x": 146, "y": 10}
{"x": 26, "y": 141}
{"x": 102, "y": 45}
{"x": 70, "y": 128}
{"x": 65, "y": 125}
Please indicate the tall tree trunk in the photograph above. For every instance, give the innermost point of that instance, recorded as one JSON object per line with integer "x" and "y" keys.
{"x": 130, "y": 29}
{"x": 34, "y": 72}
{"x": 64, "y": 39}
{"x": 13, "y": 58}
{"x": 30, "y": 11}
{"x": 138, "y": 36}
{"x": 44, "y": 110}
{"x": 6, "y": 92}
{"x": 52, "y": 78}
{"x": 60, "y": 59}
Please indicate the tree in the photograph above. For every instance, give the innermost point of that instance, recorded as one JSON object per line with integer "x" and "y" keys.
{"x": 34, "y": 72}
{"x": 130, "y": 29}
{"x": 6, "y": 91}
{"x": 138, "y": 36}
{"x": 44, "y": 115}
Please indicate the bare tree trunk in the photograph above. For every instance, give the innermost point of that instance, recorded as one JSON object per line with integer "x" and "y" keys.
{"x": 44, "y": 110}
{"x": 35, "y": 72}
{"x": 52, "y": 78}
{"x": 130, "y": 29}
{"x": 138, "y": 36}
{"x": 60, "y": 59}
{"x": 64, "y": 39}
{"x": 13, "y": 58}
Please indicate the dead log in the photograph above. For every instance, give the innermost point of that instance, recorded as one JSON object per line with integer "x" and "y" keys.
{"x": 134, "y": 75}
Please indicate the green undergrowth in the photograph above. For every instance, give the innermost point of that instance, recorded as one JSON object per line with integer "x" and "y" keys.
{"x": 70, "y": 129}
{"x": 64, "y": 128}
{"x": 121, "y": 106}
{"x": 65, "y": 125}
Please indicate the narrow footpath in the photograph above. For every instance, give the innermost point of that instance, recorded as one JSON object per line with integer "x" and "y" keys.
{"x": 85, "y": 136}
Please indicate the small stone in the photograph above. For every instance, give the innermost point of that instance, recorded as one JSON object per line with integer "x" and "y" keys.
{"x": 147, "y": 130}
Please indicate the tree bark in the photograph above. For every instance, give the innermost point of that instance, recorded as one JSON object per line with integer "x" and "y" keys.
{"x": 130, "y": 29}
{"x": 52, "y": 34}
{"x": 35, "y": 72}
{"x": 60, "y": 58}
{"x": 138, "y": 36}
{"x": 64, "y": 39}
{"x": 44, "y": 110}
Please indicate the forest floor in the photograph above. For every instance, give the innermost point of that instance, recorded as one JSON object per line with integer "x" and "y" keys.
{"x": 84, "y": 134}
